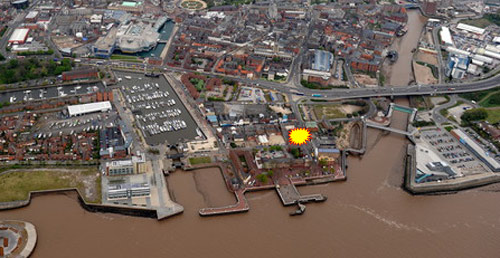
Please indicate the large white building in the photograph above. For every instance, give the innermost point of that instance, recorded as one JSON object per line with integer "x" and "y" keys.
{"x": 82, "y": 109}
{"x": 482, "y": 154}
{"x": 470, "y": 28}
{"x": 446, "y": 38}
{"x": 19, "y": 36}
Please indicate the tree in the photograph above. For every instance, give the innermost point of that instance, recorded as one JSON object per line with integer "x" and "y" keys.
{"x": 270, "y": 173}
{"x": 323, "y": 162}
{"x": 295, "y": 152}
{"x": 2, "y": 58}
{"x": 476, "y": 114}
{"x": 262, "y": 177}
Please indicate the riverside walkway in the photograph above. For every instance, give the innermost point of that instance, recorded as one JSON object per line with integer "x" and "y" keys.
{"x": 240, "y": 206}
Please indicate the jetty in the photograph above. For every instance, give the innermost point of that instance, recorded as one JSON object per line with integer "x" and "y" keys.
{"x": 289, "y": 195}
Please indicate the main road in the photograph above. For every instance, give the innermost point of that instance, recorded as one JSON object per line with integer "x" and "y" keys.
{"x": 333, "y": 94}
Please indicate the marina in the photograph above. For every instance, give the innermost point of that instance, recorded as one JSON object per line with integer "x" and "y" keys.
{"x": 158, "y": 111}
{"x": 50, "y": 92}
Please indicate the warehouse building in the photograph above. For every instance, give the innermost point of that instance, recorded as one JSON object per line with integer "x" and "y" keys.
{"x": 482, "y": 154}
{"x": 470, "y": 28}
{"x": 19, "y": 36}
{"x": 446, "y": 38}
{"x": 82, "y": 109}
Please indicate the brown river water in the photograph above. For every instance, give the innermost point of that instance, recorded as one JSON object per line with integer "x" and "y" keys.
{"x": 369, "y": 215}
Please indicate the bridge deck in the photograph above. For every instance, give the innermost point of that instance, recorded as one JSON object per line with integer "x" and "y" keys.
{"x": 394, "y": 130}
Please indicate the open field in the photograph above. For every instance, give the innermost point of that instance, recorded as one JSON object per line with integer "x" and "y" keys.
{"x": 333, "y": 111}
{"x": 427, "y": 58}
{"x": 328, "y": 111}
{"x": 17, "y": 184}
{"x": 481, "y": 23}
{"x": 423, "y": 74}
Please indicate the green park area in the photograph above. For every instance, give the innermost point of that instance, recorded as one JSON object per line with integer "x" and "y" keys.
{"x": 200, "y": 160}
{"x": 31, "y": 68}
{"x": 16, "y": 184}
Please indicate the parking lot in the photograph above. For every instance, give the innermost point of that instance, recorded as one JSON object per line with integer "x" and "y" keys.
{"x": 55, "y": 123}
{"x": 453, "y": 152}
{"x": 159, "y": 112}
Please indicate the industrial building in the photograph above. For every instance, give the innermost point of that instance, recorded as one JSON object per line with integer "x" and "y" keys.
{"x": 82, "y": 109}
{"x": 319, "y": 65}
{"x": 470, "y": 28}
{"x": 446, "y": 38}
{"x": 482, "y": 154}
{"x": 19, "y": 36}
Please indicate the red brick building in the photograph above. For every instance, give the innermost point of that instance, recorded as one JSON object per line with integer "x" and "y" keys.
{"x": 81, "y": 74}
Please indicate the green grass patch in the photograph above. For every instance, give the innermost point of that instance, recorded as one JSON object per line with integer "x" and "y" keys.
{"x": 16, "y": 185}
{"x": 123, "y": 57}
{"x": 477, "y": 96}
{"x": 493, "y": 115}
{"x": 200, "y": 160}
{"x": 481, "y": 23}
{"x": 492, "y": 100}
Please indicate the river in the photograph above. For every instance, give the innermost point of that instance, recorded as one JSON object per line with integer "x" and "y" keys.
{"x": 400, "y": 73}
{"x": 369, "y": 215}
